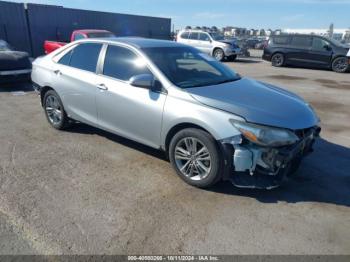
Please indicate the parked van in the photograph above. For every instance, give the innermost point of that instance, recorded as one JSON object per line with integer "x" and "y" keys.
{"x": 307, "y": 51}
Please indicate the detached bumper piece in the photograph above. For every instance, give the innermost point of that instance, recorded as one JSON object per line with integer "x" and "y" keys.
{"x": 266, "y": 168}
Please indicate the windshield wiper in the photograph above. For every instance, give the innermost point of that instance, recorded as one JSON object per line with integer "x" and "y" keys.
{"x": 226, "y": 81}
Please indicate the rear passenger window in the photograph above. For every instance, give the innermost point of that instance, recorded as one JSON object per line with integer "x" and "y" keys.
{"x": 121, "y": 63}
{"x": 281, "y": 40}
{"x": 85, "y": 56}
{"x": 194, "y": 36}
{"x": 185, "y": 35}
{"x": 301, "y": 41}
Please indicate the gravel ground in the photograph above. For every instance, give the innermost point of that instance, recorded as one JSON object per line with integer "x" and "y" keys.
{"x": 85, "y": 191}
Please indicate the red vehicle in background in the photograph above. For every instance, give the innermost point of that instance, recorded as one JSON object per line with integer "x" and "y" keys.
{"x": 50, "y": 46}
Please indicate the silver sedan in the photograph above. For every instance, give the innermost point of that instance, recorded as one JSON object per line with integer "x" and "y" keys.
{"x": 212, "y": 123}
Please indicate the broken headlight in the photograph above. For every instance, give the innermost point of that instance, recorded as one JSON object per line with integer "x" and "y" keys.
{"x": 265, "y": 135}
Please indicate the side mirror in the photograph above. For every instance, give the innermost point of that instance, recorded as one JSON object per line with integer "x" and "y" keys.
{"x": 146, "y": 81}
{"x": 143, "y": 80}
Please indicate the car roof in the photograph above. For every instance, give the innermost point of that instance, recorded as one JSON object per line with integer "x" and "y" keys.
{"x": 87, "y": 31}
{"x": 139, "y": 42}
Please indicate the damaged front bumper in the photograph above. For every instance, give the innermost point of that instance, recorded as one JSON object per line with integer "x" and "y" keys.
{"x": 248, "y": 165}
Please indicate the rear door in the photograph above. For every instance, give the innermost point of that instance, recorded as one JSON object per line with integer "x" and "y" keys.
{"x": 298, "y": 50}
{"x": 321, "y": 52}
{"x": 193, "y": 39}
{"x": 74, "y": 78}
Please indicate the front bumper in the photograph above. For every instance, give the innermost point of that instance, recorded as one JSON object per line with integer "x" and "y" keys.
{"x": 252, "y": 166}
{"x": 232, "y": 51}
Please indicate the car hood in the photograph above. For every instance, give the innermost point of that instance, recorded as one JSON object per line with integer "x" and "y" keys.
{"x": 258, "y": 103}
{"x": 230, "y": 42}
{"x": 12, "y": 60}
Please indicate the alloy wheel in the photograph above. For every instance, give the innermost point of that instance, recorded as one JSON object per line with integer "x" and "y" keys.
{"x": 340, "y": 64}
{"x": 53, "y": 110}
{"x": 192, "y": 158}
{"x": 277, "y": 60}
{"x": 219, "y": 55}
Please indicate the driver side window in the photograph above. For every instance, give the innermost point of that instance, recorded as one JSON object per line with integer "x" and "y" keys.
{"x": 121, "y": 63}
{"x": 319, "y": 44}
{"x": 204, "y": 37}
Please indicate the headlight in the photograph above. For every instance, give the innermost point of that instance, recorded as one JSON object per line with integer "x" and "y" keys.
{"x": 264, "y": 135}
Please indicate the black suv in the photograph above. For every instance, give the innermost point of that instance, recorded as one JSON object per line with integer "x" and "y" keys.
{"x": 307, "y": 51}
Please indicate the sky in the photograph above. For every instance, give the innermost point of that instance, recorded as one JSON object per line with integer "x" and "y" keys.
{"x": 266, "y": 14}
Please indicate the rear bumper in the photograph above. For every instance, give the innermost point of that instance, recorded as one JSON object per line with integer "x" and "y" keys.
{"x": 37, "y": 88}
{"x": 266, "y": 57}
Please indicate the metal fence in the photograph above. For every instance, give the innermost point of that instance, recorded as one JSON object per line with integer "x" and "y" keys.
{"x": 13, "y": 25}
{"x": 31, "y": 24}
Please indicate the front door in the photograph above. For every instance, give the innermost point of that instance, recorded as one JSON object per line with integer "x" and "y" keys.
{"x": 132, "y": 112}
{"x": 321, "y": 52}
{"x": 204, "y": 43}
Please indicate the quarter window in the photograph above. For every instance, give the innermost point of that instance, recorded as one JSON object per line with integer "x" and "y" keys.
{"x": 121, "y": 63}
{"x": 301, "y": 41}
{"x": 66, "y": 58}
{"x": 85, "y": 56}
{"x": 185, "y": 35}
{"x": 280, "y": 40}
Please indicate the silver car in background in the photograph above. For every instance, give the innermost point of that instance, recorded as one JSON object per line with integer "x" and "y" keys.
{"x": 213, "y": 44}
{"x": 212, "y": 123}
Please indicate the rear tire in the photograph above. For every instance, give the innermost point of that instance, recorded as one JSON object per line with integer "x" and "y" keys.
{"x": 277, "y": 60}
{"x": 340, "y": 64}
{"x": 194, "y": 155}
{"x": 54, "y": 111}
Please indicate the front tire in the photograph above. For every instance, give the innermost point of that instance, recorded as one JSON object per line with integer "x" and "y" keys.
{"x": 54, "y": 110}
{"x": 340, "y": 65}
{"x": 219, "y": 54}
{"x": 277, "y": 60}
{"x": 194, "y": 155}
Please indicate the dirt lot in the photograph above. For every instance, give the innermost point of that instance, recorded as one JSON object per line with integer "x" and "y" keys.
{"x": 89, "y": 192}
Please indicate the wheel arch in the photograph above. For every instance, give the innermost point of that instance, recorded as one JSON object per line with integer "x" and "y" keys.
{"x": 215, "y": 48}
{"x": 177, "y": 128}
{"x": 43, "y": 91}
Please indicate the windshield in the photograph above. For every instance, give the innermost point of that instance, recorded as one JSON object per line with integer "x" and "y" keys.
{"x": 217, "y": 36}
{"x": 100, "y": 35}
{"x": 4, "y": 46}
{"x": 335, "y": 42}
{"x": 187, "y": 67}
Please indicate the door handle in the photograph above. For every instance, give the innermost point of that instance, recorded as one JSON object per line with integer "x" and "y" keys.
{"x": 102, "y": 87}
{"x": 58, "y": 72}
